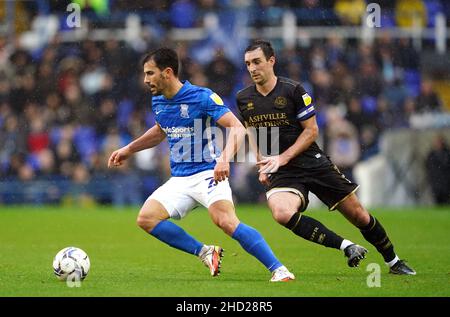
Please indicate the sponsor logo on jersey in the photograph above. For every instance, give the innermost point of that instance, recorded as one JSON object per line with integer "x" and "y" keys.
{"x": 179, "y": 132}
{"x": 268, "y": 120}
{"x": 250, "y": 106}
{"x": 307, "y": 99}
{"x": 217, "y": 100}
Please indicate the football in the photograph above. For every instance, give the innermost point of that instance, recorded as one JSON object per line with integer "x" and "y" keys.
{"x": 71, "y": 263}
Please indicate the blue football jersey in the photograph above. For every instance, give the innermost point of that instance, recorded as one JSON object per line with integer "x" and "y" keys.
{"x": 189, "y": 121}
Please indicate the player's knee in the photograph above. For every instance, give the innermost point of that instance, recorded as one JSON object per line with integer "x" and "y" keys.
{"x": 360, "y": 216}
{"x": 142, "y": 222}
{"x": 227, "y": 223}
{"x": 147, "y": 223}
{"x": 224, "y": 216}
{"x": 282, "y": 215}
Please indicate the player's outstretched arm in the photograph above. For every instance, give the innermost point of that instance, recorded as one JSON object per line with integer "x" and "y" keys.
{"x": 149, "y": 139}
{"x": 234, "y": 141}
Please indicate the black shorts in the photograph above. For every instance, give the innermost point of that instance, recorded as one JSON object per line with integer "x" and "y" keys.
{"x": 327, "y": 183}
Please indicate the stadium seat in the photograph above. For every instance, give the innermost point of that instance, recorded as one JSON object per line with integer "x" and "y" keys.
{"x": 387, "y": 19}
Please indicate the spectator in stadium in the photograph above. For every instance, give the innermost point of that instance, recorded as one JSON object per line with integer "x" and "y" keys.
{"x": 12, "y": 138}
{"x": 409, "y": 109}
{"x": 343, "y": 143}
{"x": 368, "y": 80}
{"x": 197, "y": 178}
{"x": 428, "y": 100}
{"x": 79, "y": 192}
{"x": 405, "y": 55}
{"x": 55, "y": 112}
{"x": 16, "y": 162}
{"x": 369, "y": 139}
{"x": 438, "y": 170}
{"x": 356, "y": 115}
{"x": 24, "y": 92}
{"x": 66, "y": 157}
{"x": 38, "y": 137}
{"x": 47, "y": 78}
{"x": 219, "y": 72}
{"x": 300, "y": 165}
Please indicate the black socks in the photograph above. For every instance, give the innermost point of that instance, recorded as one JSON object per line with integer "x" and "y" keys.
{"x": 311, "y": 229}
{"x": 376, "y": 235}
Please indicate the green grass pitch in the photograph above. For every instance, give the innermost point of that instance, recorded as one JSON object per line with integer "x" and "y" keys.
{"x": 125, "y": 261}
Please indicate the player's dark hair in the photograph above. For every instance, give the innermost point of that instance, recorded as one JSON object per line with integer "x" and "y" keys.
{"x": 163, "y": 57}
{"x": 265, "y": 46}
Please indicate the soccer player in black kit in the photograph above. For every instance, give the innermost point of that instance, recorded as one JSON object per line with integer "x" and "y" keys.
{"x": 301, "y": 166}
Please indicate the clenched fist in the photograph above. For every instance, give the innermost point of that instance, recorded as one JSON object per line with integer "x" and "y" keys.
{"x": 118, "y": 157}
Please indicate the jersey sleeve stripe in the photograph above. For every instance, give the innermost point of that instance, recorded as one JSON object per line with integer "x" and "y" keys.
{"x": 307, "y": 112}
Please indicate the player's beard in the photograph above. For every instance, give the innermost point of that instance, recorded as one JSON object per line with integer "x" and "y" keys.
{"x": 156, "y": 93}
{"x": 259, "y": 80}
{"x": 155, "y": 90}
{"x": 159, "y": 88}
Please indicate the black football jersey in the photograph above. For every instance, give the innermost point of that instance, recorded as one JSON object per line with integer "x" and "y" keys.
{"x": 276, "y": 120}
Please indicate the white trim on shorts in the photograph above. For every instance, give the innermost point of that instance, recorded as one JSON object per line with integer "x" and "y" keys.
{"x": 285, "y": 190}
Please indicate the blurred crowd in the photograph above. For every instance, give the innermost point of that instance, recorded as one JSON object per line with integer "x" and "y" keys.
{"x": 66, "y": 107}
{"x": 190, "y": 13}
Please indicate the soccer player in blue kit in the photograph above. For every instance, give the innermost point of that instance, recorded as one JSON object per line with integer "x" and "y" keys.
{"x": 185, "y": 115}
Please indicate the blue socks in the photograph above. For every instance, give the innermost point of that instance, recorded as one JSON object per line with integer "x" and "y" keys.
{"x": 176, "y": 237}
{"x": 253, "y": 242}
{"x": 250, "y": 239}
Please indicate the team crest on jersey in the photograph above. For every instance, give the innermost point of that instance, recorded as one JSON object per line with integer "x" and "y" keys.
{"x": 307, "y": 99}
{"x": 184, "y": 110}
{"x": 250, "y": 106}
{"x": 216, "y": 98}
{"x": 280, "y": 102}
